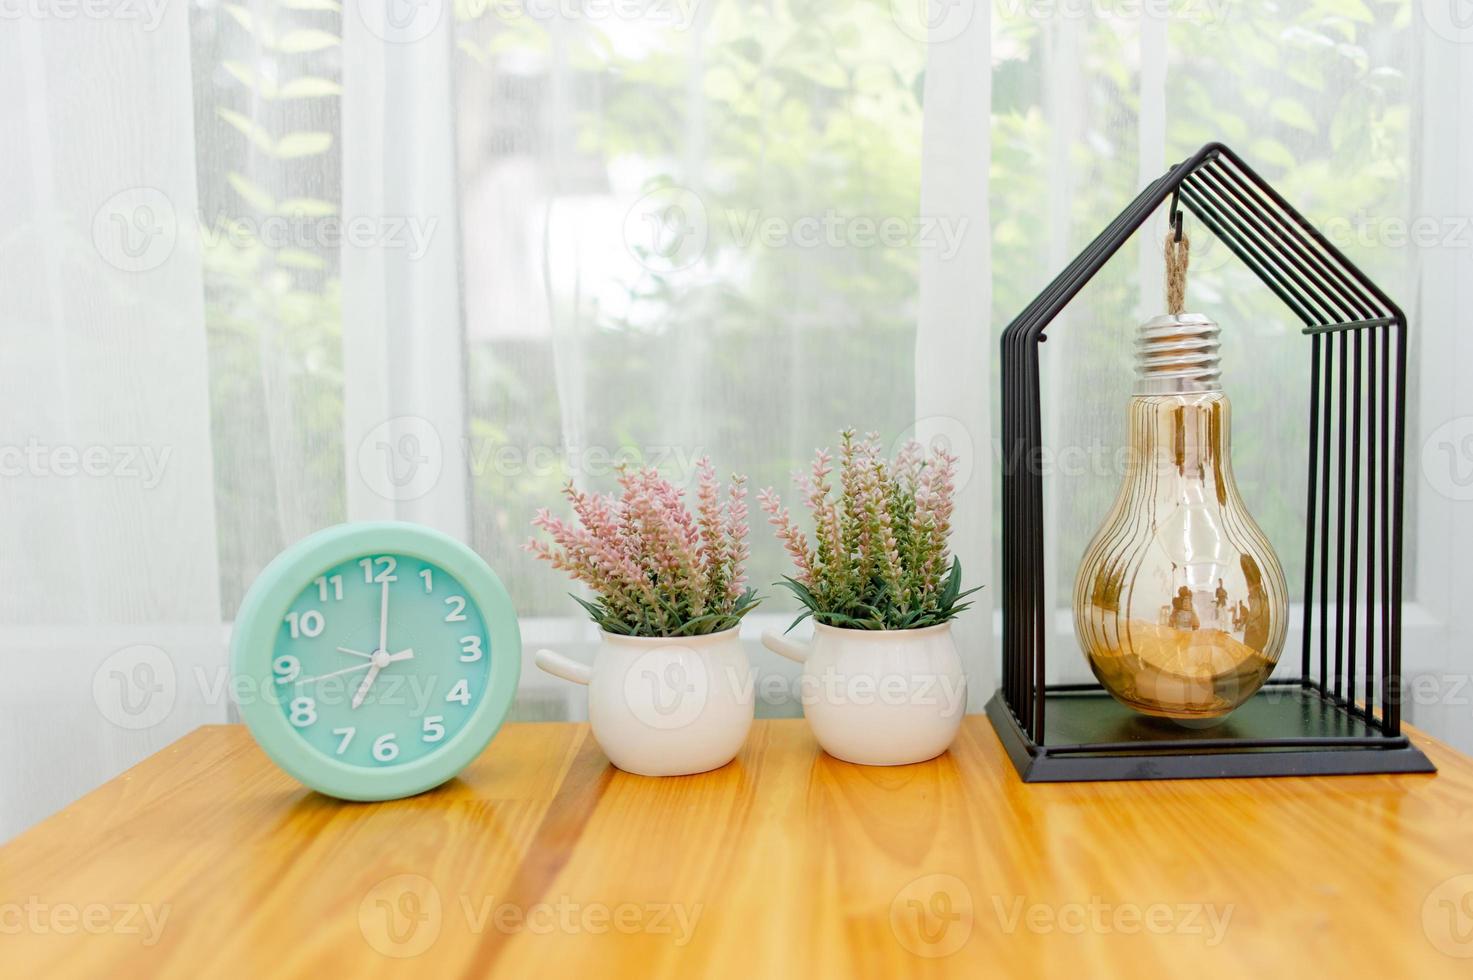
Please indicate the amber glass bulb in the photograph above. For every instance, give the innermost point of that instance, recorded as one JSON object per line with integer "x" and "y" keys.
{"x": 1180, "y": 603}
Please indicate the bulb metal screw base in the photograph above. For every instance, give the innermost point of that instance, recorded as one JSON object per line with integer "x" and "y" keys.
{"x": 1177, "y": 354}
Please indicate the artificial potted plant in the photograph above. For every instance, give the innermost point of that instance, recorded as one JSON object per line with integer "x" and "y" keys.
{"x": 669, "y": 690}
{"x": 882, "y": 680}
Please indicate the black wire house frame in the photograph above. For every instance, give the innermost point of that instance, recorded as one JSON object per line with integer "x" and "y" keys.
{"x": 1342, "y": 713}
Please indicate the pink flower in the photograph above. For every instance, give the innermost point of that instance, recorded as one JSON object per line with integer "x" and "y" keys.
{"x": 735, "y": 526}
{"x": 655, "y": 568}
{"x": 793, "y": 539}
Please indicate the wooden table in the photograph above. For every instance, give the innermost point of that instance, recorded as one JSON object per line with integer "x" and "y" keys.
{"x": 543, "y": 860}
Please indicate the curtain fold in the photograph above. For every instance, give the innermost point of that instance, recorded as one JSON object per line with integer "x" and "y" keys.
{"x": 1438, "y": 301}
{"x": 110, "y": 630}
{"x": 404, "y": 404}
{"x": 954, "y": 390}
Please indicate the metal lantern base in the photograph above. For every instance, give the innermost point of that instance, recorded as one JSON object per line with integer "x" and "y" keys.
{"x": 1287, "y": 729}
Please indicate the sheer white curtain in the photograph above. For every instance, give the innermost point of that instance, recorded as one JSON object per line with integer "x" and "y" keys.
{"x": 717, "y": 231}
{"x": 334, "y": 264}
{"x": 1439, "y": 299}
{"x": 954, "y": 342}
{"x": 109, "y": 582}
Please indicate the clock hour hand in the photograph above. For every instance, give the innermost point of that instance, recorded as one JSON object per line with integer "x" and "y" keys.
{"x": 379, "y": 662}
{"x": 362, "y": 691}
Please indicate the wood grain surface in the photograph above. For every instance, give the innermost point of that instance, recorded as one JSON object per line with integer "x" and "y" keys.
{"x": 543, "y": 860}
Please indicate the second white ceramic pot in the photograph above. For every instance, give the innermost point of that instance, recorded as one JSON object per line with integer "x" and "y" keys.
{"x": 880, "y": 697}
{"x": 665, "y": 706}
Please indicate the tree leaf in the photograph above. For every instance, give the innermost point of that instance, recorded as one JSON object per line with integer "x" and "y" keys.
{"x": 1292, "y": 113}
{"x": 305, "y": 41}
{"x": 248, "y": 127}
{"x": 299, "y": 258}
{"x": 253, "y": 194}
{"x": 1271, "y": 151}
{"x": 479, "y": 56}
{"x": 294, "y": 145}
{"x": 244, "y": 18}
{"x": 306, "y": 207}
{"x": 241, "y": 73}
{"x": 309, "y": 87}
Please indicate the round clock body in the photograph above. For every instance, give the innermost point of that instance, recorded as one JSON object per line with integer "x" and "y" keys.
{"x": 375, "y": 660}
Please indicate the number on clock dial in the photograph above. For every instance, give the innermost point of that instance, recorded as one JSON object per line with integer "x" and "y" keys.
{"x": 370, "y": 702}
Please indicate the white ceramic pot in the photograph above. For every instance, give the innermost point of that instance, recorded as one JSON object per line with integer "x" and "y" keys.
{"x": 665, "y": 706}
{"x": 880, "y": 697}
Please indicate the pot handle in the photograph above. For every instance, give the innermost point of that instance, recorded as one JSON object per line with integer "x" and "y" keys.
{"x": 782, "y": 646}
{"x": 565, "y": 667}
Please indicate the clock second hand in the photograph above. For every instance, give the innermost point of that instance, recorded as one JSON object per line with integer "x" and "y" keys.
{"x": 391, "y": 658}
{"x": 336, "y": 673}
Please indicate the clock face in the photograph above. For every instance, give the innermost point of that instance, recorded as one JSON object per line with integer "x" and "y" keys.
{"x": 375, "y": 660}
{"x": 381, "y": 659}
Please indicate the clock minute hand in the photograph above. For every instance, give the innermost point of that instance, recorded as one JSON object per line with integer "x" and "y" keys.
{"x": 381, "y": 656}
{"x": 383, "y": 619}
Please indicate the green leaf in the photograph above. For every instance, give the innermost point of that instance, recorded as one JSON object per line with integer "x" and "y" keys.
{"x": 953, "y": 583}
{"x": 244, "y": 18}
{"x": 298, "y": 258}
{"x": 709, "y": 623}
{"x": 802, "y": 616}
{"x": 470, "y": 48}
{"x": 253, "y": 194}
{"x": 240, "y": 72}
{"x": 972, "y": 591}
{"x": 1271, "y": 151}
{"x": 251, "y": 129}
{"x": 800, "y": 590}
{"x": 294, "y": 145}
{"x": 309, "y": 87}
{"x": 1292, "y": 113}
{"x": 605, "y": 620}
{"x": 306, "y": 207}
{"x": 305, "y": 41}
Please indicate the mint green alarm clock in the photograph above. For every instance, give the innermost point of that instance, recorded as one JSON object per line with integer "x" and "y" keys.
{"x": 373, "y": 661}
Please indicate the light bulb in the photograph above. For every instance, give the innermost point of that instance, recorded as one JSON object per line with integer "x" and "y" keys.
{"x": 1180, "y": 602}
